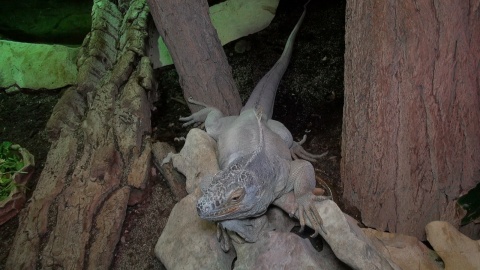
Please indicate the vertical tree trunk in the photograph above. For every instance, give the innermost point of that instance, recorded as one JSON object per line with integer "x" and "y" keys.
{"x": 100, "y": 151}
{"x": 411, "y": 134}
{"x": 197, "y": 53}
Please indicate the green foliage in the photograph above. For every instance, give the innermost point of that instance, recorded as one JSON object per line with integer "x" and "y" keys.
{"x": 471, "y": 203}
{"x": 10, "y": 163}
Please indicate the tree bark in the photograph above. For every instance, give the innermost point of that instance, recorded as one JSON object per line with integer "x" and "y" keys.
{"x": 197, "y": 53}
{"x": 100, "y": 151}
{"x": 411, "y": 132}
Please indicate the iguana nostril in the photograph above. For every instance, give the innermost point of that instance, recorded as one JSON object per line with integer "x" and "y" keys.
{"x": 199, "y": 210}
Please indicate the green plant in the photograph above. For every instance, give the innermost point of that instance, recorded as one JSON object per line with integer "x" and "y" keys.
{"x": 10, "y": 163}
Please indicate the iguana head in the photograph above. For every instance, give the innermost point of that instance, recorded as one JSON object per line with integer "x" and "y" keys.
{"x": 234, "y": 193}
{"x": 242, "y": 189}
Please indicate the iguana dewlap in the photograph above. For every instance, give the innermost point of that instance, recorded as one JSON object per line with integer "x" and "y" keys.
{"x": 255, "y": 159}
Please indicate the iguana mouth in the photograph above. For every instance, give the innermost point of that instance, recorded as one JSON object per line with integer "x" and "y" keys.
{"x": 215, "y": 215}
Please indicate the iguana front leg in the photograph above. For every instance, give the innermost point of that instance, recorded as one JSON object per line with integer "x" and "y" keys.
{"x": 301, "y": 202}
{"x": 215, "y": 121}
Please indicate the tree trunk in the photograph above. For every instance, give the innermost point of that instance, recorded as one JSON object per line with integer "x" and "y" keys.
{"x": 411, "y": 134}
{"x": 100, "y": 153}
{"x": 197, "y": 53}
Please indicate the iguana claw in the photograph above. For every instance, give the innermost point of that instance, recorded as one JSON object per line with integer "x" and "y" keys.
{"x": 306, "y": 207}
{"x": 298, "y": 152}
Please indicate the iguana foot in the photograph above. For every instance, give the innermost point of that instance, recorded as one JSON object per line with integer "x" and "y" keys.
{"x": 213, "y": 119}
{"x": 306, "y": 209}
{"x": 198, "y": 117}
{"x": 298, "y": 152}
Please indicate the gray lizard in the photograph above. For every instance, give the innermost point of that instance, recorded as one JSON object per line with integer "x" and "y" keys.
{"x": 255, "y": 159}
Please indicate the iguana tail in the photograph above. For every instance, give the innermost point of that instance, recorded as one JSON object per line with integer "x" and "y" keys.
{"x": 263, "y": 95}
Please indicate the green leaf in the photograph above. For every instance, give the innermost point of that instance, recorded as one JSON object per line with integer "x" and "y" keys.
{"x": 5, "y": 148}
{"x": 4, "y": 181}
{"x": 10, "y": 163}
{"x": 471, "y": 203}
{"x": 18, "y": 166}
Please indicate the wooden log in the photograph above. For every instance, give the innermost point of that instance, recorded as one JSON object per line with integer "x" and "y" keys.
{"x": 410, "y": 142}
{"x": 100, "y": 150}
{"x": 197, "y": 53}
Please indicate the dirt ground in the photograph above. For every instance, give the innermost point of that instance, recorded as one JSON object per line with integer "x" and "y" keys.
{"x": 309, "y": 101}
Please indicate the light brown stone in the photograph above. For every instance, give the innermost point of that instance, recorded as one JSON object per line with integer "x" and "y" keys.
{"x": 197, "y": 159}
{"x": 456, "y": 250}
{"x": 188, "y": 242}
{"x": 406, "y": 251}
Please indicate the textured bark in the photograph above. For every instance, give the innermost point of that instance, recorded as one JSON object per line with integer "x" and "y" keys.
{"x": 411, "y": 134}
{"x": 100, "y": 150}
{"x": 197, "y": 53}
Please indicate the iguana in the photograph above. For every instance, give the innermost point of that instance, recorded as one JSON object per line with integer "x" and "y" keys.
{"x": 255, "y": 160}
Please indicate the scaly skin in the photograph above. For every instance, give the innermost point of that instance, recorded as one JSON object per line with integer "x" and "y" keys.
{"x": 255, "y": 159}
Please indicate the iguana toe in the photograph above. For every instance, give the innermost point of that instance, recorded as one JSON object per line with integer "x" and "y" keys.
{"x": 199, "y": 116}
{"x": 298, "y": 152}
{"x": 307, "y": 210}
{"x": 189, "y": 120}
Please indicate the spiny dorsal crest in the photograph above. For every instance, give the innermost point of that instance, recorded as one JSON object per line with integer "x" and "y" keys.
{"x": 261, "y": 142}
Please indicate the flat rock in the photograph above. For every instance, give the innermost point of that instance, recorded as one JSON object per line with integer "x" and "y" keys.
{"x": 278, "y": 248}
{"x": 188, "y": 242}
{"x": 192, "y": 242}
{"x": 37, "y": 66}
{"x": 197, "y": 159}
{"x": 456, "y": 250}
{"x": 348, "y": 241}
{"x": 283, "y": 250}
{"x": 406, "y": 251}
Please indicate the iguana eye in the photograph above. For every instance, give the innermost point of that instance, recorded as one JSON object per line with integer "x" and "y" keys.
{"x": 237, "y": 195}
